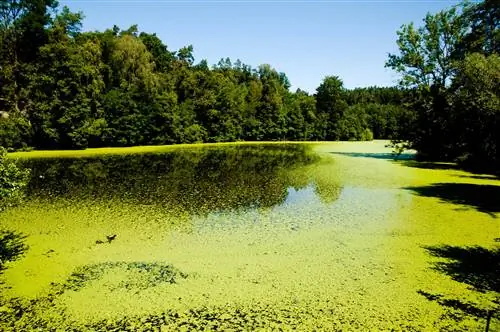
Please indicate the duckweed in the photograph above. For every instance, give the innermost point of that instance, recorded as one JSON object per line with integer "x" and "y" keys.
{"x": 335, "y": 236}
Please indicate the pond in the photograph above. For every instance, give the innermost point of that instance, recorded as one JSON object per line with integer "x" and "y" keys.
{"x": 331, "y": 236}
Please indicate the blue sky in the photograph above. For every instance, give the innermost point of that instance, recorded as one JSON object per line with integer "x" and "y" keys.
{"x": 305, "y": 39}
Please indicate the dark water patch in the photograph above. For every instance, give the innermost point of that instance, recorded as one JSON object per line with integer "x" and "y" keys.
{"x": 22, "y": 316}
{"x": 44, "y": 312}
{"x": 484, "y": 198}
{"x": 144, "y": 275}
{"x": 211, "y": 318}
{"x": 194, "y": 180}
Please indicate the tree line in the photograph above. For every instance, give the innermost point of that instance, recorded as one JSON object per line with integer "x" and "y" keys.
{"x": 62, "y": 88}
{"x": 451, "y": 64}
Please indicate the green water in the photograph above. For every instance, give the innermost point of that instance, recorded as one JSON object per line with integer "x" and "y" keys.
{"x": 328, "y": 236}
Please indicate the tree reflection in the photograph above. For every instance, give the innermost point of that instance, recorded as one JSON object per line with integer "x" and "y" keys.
{"x": 195, "y": 180}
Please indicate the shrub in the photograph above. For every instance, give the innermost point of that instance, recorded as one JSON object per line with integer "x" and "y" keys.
{"x": 13, "y": 180}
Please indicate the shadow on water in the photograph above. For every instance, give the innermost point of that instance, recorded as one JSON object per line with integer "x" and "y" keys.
{"x": 475, "y": 266}
{"x": 456, "y": 304}
{"x": 480, "y": 177}
{"x": 480, "y": 173}
{"x": 429, "y": 165}
{"x": 484, "y": 198}
{"x": 12, "y": 247}
{"x": 387, "y": 156}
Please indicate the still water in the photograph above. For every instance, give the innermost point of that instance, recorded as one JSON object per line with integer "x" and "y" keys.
{"x": 329, "y": 236}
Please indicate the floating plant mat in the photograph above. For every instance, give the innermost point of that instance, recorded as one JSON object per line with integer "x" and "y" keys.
{"x": 335, "y": 236}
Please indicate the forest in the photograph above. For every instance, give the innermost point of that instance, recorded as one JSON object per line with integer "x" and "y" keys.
{"x": 63, "y": 88}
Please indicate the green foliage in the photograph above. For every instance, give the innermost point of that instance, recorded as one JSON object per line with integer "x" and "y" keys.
{"x": 377, "y": 95}
{"x": 159, "y": 52}
{"x": 12, "y": 181}
{"x": 331, "y": 106}
{"x": 426, "y": 52}
{"x": 484, "y": 33}
{"x": 353, "y": 125}
{"x": 75, "y": 90}
{"x": 476, "y": 100}
{"x": 453, "y": 63}
{"x": 132, "y": 64}
{"x": 22, "y": 32}
{"x": 65, "y": 93}
{"x": 15, "y": 130}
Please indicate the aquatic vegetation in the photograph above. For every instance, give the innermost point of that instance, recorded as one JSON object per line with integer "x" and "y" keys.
{"x": 97, "y": 152}
{"x": 253, "y": 237}
{"x": 192, "y": 178}
{"x": 476, "y": 266}
{"x": 484, "y": 198}
{"x": 145, "y": 274}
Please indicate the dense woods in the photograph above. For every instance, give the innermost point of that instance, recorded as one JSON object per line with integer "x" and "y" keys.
{"x": 61, "y": 88}
{"x": 245, "y": 236}
{"x": 452, "y": 65}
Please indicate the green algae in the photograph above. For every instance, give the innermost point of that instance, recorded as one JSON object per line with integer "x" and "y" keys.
{"x": 255, "y": 237}
{"x": 97, "y": 152}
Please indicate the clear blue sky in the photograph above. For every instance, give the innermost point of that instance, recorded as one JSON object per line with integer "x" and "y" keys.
{"x": 305, "y": 39}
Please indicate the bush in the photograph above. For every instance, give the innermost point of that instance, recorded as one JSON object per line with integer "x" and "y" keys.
{"x": 367, "y": 135}
{"x": 12, "y": 181}
{"x": 15, "y": 131}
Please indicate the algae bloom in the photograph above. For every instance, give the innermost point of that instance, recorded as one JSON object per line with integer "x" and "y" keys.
{"x": 336, "y": 236}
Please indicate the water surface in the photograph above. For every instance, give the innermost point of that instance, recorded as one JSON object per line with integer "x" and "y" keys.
{"x": 330, "y": 236}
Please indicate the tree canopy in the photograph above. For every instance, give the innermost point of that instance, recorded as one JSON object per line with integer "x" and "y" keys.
{"x": 62, "y": 88}
{"x": 72, "y": 89}
{"x": 452, "y": 64}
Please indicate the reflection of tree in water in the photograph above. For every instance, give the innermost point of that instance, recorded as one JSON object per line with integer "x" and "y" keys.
{"x": 327, "y": 191}
{"x": 195, "y": 180}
